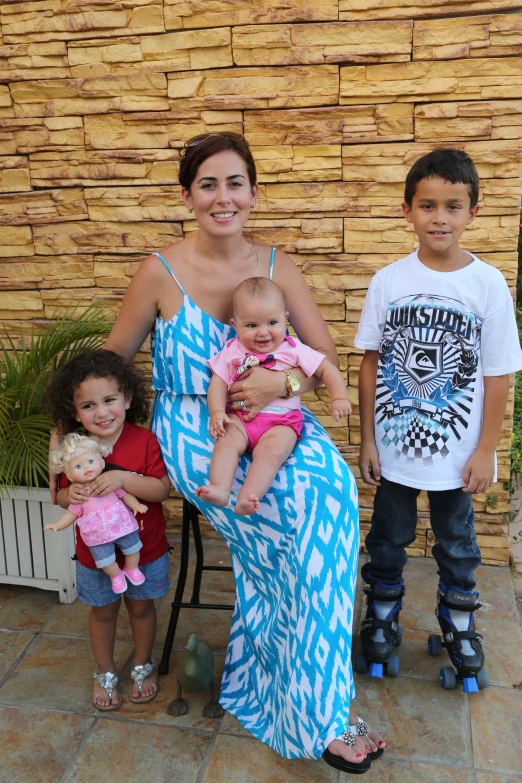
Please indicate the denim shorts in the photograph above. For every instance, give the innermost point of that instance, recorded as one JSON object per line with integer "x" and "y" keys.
{"x": 105, "y": 554}
{"x": 94, "y": 587}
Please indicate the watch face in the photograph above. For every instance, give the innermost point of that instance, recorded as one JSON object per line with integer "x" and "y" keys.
{"x": 294, "y": 382}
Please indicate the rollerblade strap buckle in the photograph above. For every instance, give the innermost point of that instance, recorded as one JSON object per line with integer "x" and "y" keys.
{"x": 374, "y": 622}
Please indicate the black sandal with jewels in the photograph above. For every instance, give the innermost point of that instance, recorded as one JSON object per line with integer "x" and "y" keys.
{"x": 351, "y": 767}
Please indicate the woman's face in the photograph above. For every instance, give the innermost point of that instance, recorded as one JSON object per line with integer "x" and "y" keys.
{"x": 221, "y": 195}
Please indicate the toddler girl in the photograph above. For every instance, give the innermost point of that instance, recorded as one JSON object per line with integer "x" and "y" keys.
{"x": 260, "y": 322}
{"x": 106, "y": 396}
{"x": 106, "y": 521}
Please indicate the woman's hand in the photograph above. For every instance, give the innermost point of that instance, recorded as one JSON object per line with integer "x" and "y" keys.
{"x": 108, "y": 482}
{"x": 257, "y": 388}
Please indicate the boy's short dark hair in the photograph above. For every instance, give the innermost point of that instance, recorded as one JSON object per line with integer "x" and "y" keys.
{"x": 451, "y": 165}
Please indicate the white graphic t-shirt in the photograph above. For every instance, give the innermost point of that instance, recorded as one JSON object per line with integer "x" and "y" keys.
{"x": 438, "y": 334}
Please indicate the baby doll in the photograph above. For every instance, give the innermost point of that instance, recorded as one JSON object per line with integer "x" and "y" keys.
{"x": 104, "y": 521}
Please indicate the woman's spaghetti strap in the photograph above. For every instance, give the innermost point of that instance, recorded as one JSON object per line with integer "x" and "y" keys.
{"x": 271, "y": 270}
{"x": 155, "y": 253}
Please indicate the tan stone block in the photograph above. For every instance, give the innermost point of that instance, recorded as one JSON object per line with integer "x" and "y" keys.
{"x": 65, "y": 271}
{"x": 74, "y": 238}
{"x": 134, "y": 204}
{"x": 298, "y": 164}
{"x": 249, "y": 88}
{"x": 190, "y": 13}
{"x": 334, "y": 42}
{"x": 158, "y": 53}
{"x": 111, "y": 271}
{"x": 155, "y": 130}
{"x": 329, "y": 125}
{"x": 473, "y": 120}
{"x": 340, "y": 198}
{"x": 391, "y": 162}
{"x": 14, "y": 174}
{"x": 477, "y": 79}
{"x": 472, "y": 36}
{"x": 52, "y": 20}
{"x": 24, "y": 136}
{"x": 20, "y": 304}
{"x": 34, "y": 61}
{"x": 42, "y": 207}
{"x": 16, "y": 241}
{"x": 118, "y": 167}
{"x": 369, "y": 235}
{"x": 6, "y": 103}
{"x": 55, "y": 97}
{"x": 396, "y": 9}
{"x": 57, "y": 301}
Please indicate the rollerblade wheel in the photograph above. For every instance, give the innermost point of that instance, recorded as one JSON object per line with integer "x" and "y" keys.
{"x": 393, "y": 666}
{"x": 448, "y": 678}
{"x": 398, "y": 638}
{"x": 434, "y": 645}
{"x": 361, "y": 663}
{"x": 482, "y": 679}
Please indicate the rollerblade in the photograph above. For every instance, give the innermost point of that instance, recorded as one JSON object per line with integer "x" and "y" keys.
{"x": 380, "y": 631}
{"x": 455, "y": 615}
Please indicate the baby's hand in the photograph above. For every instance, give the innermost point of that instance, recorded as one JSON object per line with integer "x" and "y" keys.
{"x": 52, "y": 526}
{"x": 340, "y": 408}
{"x": 140, "y": 509}
{"x": 78, "y": 493}
{"x": 217, "y": 424}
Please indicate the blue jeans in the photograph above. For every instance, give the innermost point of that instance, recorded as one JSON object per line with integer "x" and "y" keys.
{"x": 104, "y": 554}
{"x": 393, "y": 529}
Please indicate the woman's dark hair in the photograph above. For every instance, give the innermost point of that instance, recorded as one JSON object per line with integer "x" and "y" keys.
{"x": 451, "y": 165}
{"x": 199, "y": 148}
{"x": 59, "y": 398}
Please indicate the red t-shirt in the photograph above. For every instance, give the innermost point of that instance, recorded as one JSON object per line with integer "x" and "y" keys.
{"x": 138, "y": 451}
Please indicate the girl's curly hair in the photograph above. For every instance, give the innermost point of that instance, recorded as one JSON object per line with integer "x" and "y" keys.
{"x": 59, "y": 397}
{"x": 75, "y": 445}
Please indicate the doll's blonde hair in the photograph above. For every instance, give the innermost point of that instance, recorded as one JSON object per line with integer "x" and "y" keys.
{"x": 74, "y": 445}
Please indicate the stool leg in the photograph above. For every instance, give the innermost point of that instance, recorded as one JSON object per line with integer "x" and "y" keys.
{"x": 180, "y": 588}
{"x": 200, "y": 556}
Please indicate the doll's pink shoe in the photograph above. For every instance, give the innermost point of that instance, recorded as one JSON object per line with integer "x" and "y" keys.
{"x": 134, "y": 575}
{"x": 119, "y": 585}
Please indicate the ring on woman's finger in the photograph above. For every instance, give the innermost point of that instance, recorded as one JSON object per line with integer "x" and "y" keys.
{"x": 242, "y": 405}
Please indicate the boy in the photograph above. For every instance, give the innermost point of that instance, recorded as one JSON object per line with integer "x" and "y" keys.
{"x": 440, "y": 340}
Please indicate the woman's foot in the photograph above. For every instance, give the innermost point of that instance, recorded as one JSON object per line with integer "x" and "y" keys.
{"x": 102, "y": 698}
{"x": 371, "y": 742}
{"x": 353, "y": 755}
{"x": 148, "y": 689}
{"x": 247, "y": 505}
{"x": 214, "y": 494}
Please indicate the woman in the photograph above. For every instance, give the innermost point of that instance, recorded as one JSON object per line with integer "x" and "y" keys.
{"x": 288, "y": 675}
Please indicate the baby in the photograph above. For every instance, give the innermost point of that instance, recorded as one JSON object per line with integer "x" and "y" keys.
{"x": 104, "y": 521}
{"x": 260, "y": 322}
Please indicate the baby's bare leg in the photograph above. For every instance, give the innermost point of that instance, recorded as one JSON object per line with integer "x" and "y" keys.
{"x": 223, "y": 464}
{"x": 272, "y": 450}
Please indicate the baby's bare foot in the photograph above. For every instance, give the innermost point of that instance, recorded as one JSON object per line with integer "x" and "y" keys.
{"x": 248, "y": 505}
{"x": 213, "y": 494}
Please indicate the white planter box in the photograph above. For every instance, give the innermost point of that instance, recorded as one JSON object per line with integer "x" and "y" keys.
{"x": 28, "y": 556}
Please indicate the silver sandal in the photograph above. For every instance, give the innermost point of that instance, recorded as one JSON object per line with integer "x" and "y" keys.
{"x": 139, "y": 674}
{"x": 108, "y": 681}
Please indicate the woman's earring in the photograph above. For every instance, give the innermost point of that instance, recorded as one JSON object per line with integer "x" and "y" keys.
{"x": 190, "y": 210}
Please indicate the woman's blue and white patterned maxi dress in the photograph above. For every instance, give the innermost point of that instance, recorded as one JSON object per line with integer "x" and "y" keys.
{"x": 288, "y": 675}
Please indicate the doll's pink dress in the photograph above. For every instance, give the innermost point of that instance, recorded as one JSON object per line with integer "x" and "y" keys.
{"x": 104, "y": 519}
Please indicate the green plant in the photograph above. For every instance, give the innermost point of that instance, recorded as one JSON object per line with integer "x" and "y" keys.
{"x": 24, "y": 374}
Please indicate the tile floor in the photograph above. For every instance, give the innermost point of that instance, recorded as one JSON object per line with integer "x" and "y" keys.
{"x": 50, "y": 732}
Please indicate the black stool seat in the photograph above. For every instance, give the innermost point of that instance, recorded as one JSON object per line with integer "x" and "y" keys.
{"x": 190, "y": 519}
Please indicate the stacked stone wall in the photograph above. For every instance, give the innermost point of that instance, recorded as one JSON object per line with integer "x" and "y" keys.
{"x": 337, "y": 99}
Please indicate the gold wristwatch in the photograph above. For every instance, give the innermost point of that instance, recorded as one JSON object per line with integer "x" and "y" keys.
{"x": 293, "y": 384}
